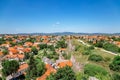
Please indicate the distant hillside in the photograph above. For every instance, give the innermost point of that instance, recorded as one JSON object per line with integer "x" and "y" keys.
{"x": 65, "y": 33}
{"x": 68, "y": 33}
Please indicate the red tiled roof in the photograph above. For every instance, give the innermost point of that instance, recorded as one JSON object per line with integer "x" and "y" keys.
{"x": 13, "y": 50}
{"x": 23, "y": 66}
{"x": 20, "y": 56}
{"x": 65, "y": 63}
{"x": 27, "y": 50}
{"x": 1, "y": 53}
{"x": 50, "y": 70}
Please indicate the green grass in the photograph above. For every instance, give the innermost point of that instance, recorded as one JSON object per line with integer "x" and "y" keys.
{"x": 83, "y": 59}
{"x": 102, "y": 53}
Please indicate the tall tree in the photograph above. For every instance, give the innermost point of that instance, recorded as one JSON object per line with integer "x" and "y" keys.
{"x": 34, "y": 50}
{"x": 65, "y": 73}
{"x": 36, "y": 68}
{"x": 9, "y": 67}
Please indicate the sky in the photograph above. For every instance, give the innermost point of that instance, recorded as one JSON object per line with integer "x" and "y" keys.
{"x": 48, "y": 16}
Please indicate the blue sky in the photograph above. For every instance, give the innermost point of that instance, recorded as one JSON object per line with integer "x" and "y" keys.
{"x": 28, "y": 16}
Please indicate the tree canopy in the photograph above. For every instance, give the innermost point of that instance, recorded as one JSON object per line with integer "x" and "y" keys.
{"x": 34, "y": 50}
{"x": 65, "y": 73}
{"x": 36, "y": 68}
{"x": 61, "y": 44}
{"x": 9, "y": 67}
{"x": 115, "y": 65}
{"x": 96, "y": 58}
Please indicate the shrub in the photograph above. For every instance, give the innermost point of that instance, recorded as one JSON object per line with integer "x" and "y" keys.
{"x": 93, "y": 70}
{"x": 77, "y": 48}
{"x": 0, "y": 78}
{"x": 65, "y": 73}
{"x": 95, "y": 58}
{"x": 111, "y": 47}
{"x": 86, "y": 53}
{"x": 115, "y": 65}
{"x": 91, "y": 47}
{"x": 42, "y": 46}
{"x": 107, "y": 59}
{"x": 116, "y": 76}
{"x": 99, "y": 44}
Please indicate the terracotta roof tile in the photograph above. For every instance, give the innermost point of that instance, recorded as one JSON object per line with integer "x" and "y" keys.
{"x": 65, "y": 63}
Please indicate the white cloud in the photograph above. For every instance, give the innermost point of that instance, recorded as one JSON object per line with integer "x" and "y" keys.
{"x": 56, "y": 24}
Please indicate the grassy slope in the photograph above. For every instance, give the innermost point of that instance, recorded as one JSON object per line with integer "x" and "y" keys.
{"x": 83, "y": 59}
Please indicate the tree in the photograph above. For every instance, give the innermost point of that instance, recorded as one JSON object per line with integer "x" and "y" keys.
{"x": 95, "y": 58}
{"x": 9, "y": 67}
{"x": 51, "y": 47}
{"x": 115, "y": 65}
{"x": 99, "y": 44}
{"x": 61, "y": 44}
{"x": 2, "y": 41}
{"x": 91, "y": 48}
{"x": 27, "y": 55}
{"x": 36, "y": 68}
{"x": 34, "y": 50}
{"x": 65, "y": 73}
{"x": 5, "y": 51}
{"x": 116, "y": 76}
{"x": 87, "y": 52}
{"x": 43, "y": 46}
{"x": 0, "y": 78}
{"x": 111, "y": 47}
{"x": 51, "y": 77}
{"x": 52, "y": 55}
{"x": 31, "y": 40}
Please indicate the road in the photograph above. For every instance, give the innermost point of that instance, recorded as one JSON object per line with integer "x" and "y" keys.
{"x": 98, "y": 48}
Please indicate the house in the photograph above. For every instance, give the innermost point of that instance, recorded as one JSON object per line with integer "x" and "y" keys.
{"x": 22, "y": 68}
{"x": 117, "y": 43}
{"x": 12, "y": 50}
{"x": 62, "y": 50}
{"x": 1, "y": 53}
{"x": 64, "y": 63}
{"x": 28, "y": 44}
{"x": 49, "y": 70}
{"x": 15, "y": 57}
{"x": 5, "y": 45}
{"x": 27, "y": 50}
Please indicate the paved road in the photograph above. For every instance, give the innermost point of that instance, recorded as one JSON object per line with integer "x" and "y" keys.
{"x": 98, "y": 48}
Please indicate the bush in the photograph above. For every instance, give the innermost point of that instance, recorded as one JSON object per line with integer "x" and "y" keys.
{"x": 93, "y": 70}
{"x": 106, "y": 59}
{"x": 86, "y": 53}
{"x": 116, "y": 76}
{"x": 111, "y": 47}
{"x": 115, "y": 65}
{"x": 65, "y": 73}
{"x": 77, "y": 48}
{"x": 34, "y": 50}
{"x": 95, "y": 58}
{"x": 0, "y": 78}
{"x": 61, "y": 44}
{"x": 91, "y": 47}
{"x": 42, "y": 46}
{"x": 66, "y": 56}
{"x": 99, "y": 44}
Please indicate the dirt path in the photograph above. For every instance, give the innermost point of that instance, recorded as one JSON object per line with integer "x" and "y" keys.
{"x": 98, "y": 48}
